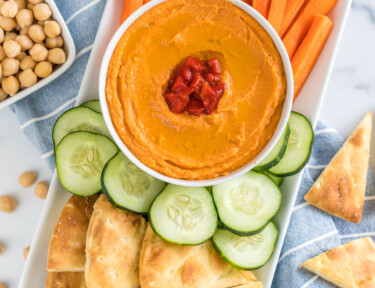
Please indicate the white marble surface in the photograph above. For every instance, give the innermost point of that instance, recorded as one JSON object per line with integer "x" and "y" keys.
{"x": 351, "y": 93}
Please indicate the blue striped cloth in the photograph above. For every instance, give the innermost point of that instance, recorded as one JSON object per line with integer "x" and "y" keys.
{"x": 310, "y": 231}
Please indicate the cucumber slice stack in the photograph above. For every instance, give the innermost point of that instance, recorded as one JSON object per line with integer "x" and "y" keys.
{"x": 93, "y": 105}
{"x": 183, "y": 215}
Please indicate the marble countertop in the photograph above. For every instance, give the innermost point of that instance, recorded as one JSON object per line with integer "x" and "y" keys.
{"x": 351, "y": 93}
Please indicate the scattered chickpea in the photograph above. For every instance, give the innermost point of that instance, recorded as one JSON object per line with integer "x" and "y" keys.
{"x": 11, "y": 48}
{"x": 36, "y": 33}
{"x": 25, "y": 17}
{"x": 25, "y": 42}
{"x": 52, "y": 28}
{"x": 1, "y": 73}
{"x": 3, "y": 95}
{"x": 41, "y": 190}
{"x": 7, "y": 204}
{"x": 10, "y": 36}
{"x": 27, "y": 179}
{"x": 56, "y": 56}
{"x": 2, "y": 285}
{"x": 26, "y": 252}
{"x": 42, "y": 11}
{"x": 38, "y": 52}
{"x": 34, "y": 2}
{"x": 1, "y": 35}
{"x": 24, "y": 31}
{"x": 30, "y": 6}
{"x": 27, "y": 79}
{"x": 56, "y": 42}
{"x": 8, "y": 24}
{"x": 9, "y": 9}
{"x": 10, "y": 66}
{"x": 21, "y": 4}
{"x": 43, "y": 69}
{"x": 20, "y": 56}
{"x": 27, "y": 63}
{"x": 1, "y": 248}
{"x": 10, "y": 85}
{"x": 2, "y": 53}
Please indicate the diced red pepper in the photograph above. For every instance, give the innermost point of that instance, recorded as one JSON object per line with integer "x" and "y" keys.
{"x": 177, "y": 102}
{"x": 185, "y": 72}
{"x": 207, "y": 93}
{"x": 213, "y": 78}
{"x": 213, "y": 66}
{"x": 219, "y": 89}
{"x": 179, "y": 85}
{"x": 195, "y": 64}
{"x": 195, "y": 107}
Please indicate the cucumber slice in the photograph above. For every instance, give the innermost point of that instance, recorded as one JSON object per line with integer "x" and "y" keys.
{"x": 80, "y": 158}
{"x": 278, "y": 180}
{"x": 128, "y": 187}
{"x": 92, "y": 104}
{"x": 299, "y": 147}
{"x": 78, "y": 119}
{"x": 183, "y": 215}
{"x": 246, "y": 253}
{"x": 247, "y": 203}
{"x": 276, "y": 153}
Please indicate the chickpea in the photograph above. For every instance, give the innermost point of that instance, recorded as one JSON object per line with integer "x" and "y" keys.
{"x": 8, "y": 24}
{"x": 41, "y": 190}
{"x": 41, "y": 23}
{"x": 1, "y": 73}
{"x": 9, "y": 9}
{"x": 21, "y": 4}
{"x": 38, "y": 52}
{"x": 30, "y": 6}
{"x": 20, "y": 56}
{"x": 25, "y": 17}
{"x": 27, "y": 63}
{"x": 10, "y": 67}
{"x": 26, "y": 252}
{"x": 27, "y": 179}
{"x": 43, "y": 69}
{"x": 2, "y": 54}
{"x": 25, "y": 42}
{"x": 7, "y": 204}
{"x": 56, "y": 56}
{"x": 42, "y": 11}
{"x": 1, "y": 35}
{"x": 3, "y": 95}
{"x": 52, "y": 28}
{"x": 27, "y": 79}
{"x": 24, "y": 31}
{"x": 54, "y": 42}
{"x": 36, "y": 33}
{"x": 11, "y": 48}
{"x": 1, "y": 248}
{"x": 10, "y": 36}
{"x": 34, "y": 2}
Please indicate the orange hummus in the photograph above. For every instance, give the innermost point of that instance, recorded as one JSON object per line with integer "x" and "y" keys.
{"x": 180, "y": 145}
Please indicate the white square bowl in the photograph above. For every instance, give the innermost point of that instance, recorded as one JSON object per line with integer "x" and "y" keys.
{"x": 70, "y": 51}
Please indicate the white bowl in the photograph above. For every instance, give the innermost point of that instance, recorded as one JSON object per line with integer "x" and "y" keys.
{"x": 194, "y": 183}
{"x": 70, "y": 51}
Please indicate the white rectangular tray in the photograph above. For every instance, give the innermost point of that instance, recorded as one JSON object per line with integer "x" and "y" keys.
{"x": 309, "y": 103}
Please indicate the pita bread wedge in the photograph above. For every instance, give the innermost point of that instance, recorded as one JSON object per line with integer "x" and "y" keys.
{"x": 66, "y": 251}
{"x": 114, "y": 240}
{"x": 164, "y": 264}
{"x": 340, "y": 189}
{"x": 65, "y": 280}
{"x": 351, "y": 265}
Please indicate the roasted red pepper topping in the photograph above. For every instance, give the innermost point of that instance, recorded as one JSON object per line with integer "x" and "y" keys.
{"x": 195, "y": 87}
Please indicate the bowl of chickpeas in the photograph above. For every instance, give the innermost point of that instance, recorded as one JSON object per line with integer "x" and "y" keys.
{"x": 35, "y": 47}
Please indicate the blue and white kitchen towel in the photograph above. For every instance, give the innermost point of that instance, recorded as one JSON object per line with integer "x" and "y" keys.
{"x": 310, "y": 232}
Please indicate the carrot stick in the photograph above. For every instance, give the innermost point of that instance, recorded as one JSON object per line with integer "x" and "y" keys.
{"x": 299, "y": 28}
{"x": 291, "y": 10}
{"x": 129, "y": 7}
{"x": 262, "y": 6}
{"x": 305, "y": 57}
{"x": 146, "y": 1}
{"x": 276, "y": 14}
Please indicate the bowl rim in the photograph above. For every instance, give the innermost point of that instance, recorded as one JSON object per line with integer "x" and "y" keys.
{"x": 206, "y": 182}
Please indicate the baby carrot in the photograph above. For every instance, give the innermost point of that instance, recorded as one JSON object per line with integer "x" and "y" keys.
{"x": 276, "y": 14}
{"x": 262, "y": 6}
{"x": 305, "y": 57}
{"x": 291, "y": 10}
{"x": 129, "y": 7}
{"x": 293, "y": 38}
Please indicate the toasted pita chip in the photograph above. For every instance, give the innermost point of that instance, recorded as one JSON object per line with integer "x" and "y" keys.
{"x": 351, "y": 265}
{"x": 66, "y": 251}
{"x": 65, "y": 280}
{"x": 114, "y": 240}
{"x": 340, "y": 189}
{"x": 164, "y": 264}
